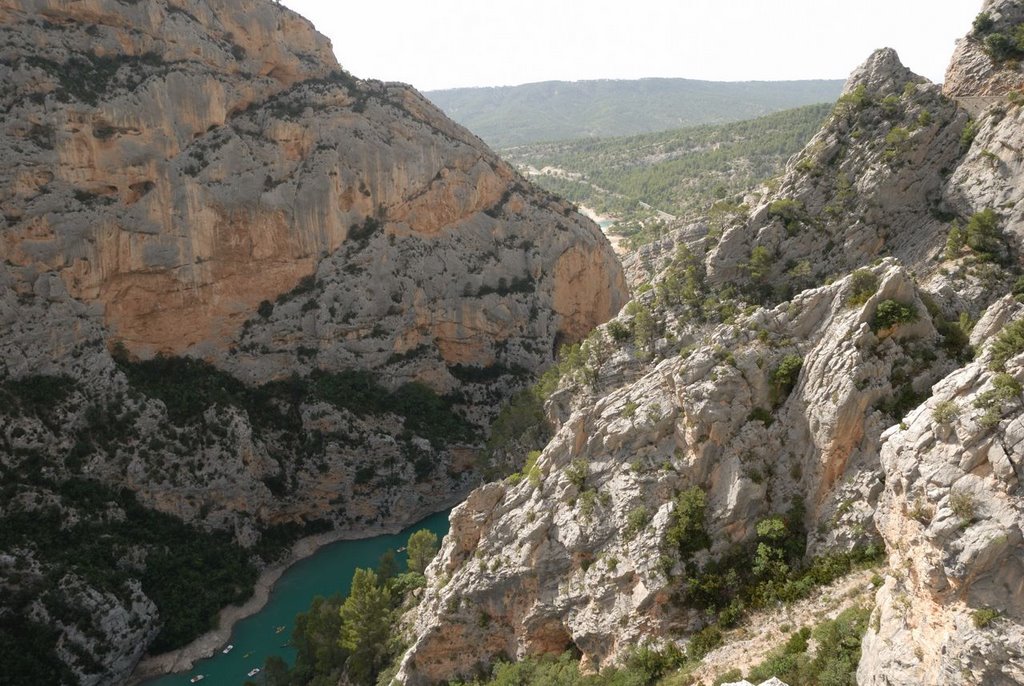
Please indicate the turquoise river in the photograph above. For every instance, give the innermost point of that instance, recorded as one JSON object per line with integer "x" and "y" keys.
{"x": 324, "y": 573}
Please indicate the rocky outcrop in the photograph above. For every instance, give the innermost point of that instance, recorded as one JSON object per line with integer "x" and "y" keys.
{"x": 574, "y": 556}
{"x": 974, "y": 74}
{"x": 687, "y": 389}
{"x": 262, "y": 294}
{"x": 952, "y": 608}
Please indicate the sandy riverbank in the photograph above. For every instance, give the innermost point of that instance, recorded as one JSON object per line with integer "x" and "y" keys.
{"x": 618, "y": 242}
{"x": 183, "y": 659}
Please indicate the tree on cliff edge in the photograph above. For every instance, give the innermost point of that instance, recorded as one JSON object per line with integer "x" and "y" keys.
{"x": 366, "y": 619}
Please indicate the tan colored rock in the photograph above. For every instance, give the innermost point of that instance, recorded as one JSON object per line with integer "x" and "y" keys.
{"x": 203, "y": 168}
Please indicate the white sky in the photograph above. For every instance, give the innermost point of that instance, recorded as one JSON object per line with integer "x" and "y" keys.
{"x": 436, "y": 44}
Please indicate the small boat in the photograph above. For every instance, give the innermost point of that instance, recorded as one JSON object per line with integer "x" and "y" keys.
{"x": 249, "y": 654}
{"x": 254, "y": 671}
{"x": 228, "y": 649}
{"x": 197, "y": 677}
{"x": 279, "y": 629}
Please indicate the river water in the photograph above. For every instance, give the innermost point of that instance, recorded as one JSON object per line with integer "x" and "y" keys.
{"x": 327, "y": 571}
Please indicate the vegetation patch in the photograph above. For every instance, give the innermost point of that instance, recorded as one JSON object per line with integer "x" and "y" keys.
{"x": 685, "y": 172}
{"x": 863, "y": 285}
{"x": 984, "y": 617}
{"x": 891, "y": 313}
{"x": 789, "y": 211}
{"x": 189, "y": 573}
{"x": 355, "y": 639}
{"x": 1001, "y": 46}
{"x": 785, "y": 376}
{"x": 835, "y": 658}
{"x": 686, "y": 532}
{"x": 1008, "y": 344}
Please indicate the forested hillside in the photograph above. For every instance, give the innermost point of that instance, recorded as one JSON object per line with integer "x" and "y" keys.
{"x": 681, "y": 172}
{"x": 560, "y": 110}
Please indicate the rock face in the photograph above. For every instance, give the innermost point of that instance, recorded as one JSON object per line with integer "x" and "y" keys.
{"x": 364, "y": 281}
{"x": 177, "y": 164}
{"x": 853, "y": 272}
{"x": 952, "y": 513}
{"x": 973, "y": 73}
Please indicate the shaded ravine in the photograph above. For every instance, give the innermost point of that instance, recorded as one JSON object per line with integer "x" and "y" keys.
{"x": 286, "y": 590}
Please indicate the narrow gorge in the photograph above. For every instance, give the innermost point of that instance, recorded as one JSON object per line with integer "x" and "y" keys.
{"x": 244, "y": 297}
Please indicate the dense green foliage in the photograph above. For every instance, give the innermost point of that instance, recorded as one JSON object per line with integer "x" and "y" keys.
{"x": 422, "y": 549}
{"x": 519, "y": 428}
{"x": 765, "y": 571}
{"x": 190, "y": 574}
{"x": 366, "y": 624}
{"x": 27, "y": 653}
{"x": 835, "y": 658}
{"x": 353, "y": 639}
{"x": 890, "y": 313}
{"x": 188, "y": 387}
{"x": 682, "y": 172}
{"x": 643, "y": 667}
{"x": 558, "y": 110}
{"x": 785, "y": 376}
{"x": 686, "y": 532}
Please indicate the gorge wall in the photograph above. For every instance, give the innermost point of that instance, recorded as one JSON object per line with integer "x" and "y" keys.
{"x": 262, "y": 295}
{"x": 833, "y": 371}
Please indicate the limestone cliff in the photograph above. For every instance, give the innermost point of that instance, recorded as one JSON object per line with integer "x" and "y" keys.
{"x": 263, "y": 295}
{"x": 803, "y": 367}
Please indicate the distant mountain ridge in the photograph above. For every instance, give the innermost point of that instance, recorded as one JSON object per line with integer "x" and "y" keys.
{"x": 559, "y": 110}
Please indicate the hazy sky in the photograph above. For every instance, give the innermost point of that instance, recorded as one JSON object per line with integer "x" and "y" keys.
{"x": 436, "y": 44}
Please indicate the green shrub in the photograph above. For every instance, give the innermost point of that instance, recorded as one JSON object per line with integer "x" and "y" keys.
{"x": 577, "y": 472}
{"x": 863, "y": 285}
{"x": 521, "y": 426}
{"x": 790, "y": 211}
{"x": 636, "y": 521}
{"x": 530, "y": 470}
{"x": 798, "y": 642}
{"x": 733, "y": 675}
{"x": 969, "y": 133}
{"x": 984, "y": 617}
{"x": 1001, "y": 47}
{"x": 955, "y": 242}
{"x": 964, "y": 506}
{"x": 896, "y": 143}
{"x": 945, "y": 412}
{"x": 703, "y": 642}
{"x": 1004, "y": 389}
{"x": 983, "y": 235}
{"x": 785, "y": 376}
{"x": 983, "y": 23}
{"x": 686, "y": 532}
{"x": 890, "y": 313}
{"x": 854, "y": 101}
{"x": 835, "y": 660}
{"x": 618, "y": 331}
{"x": 1008, "y": 344}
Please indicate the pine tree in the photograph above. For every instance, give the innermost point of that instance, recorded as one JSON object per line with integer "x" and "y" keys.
{"x": 366, "y": 619}
{"x": 422, "y": 548}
